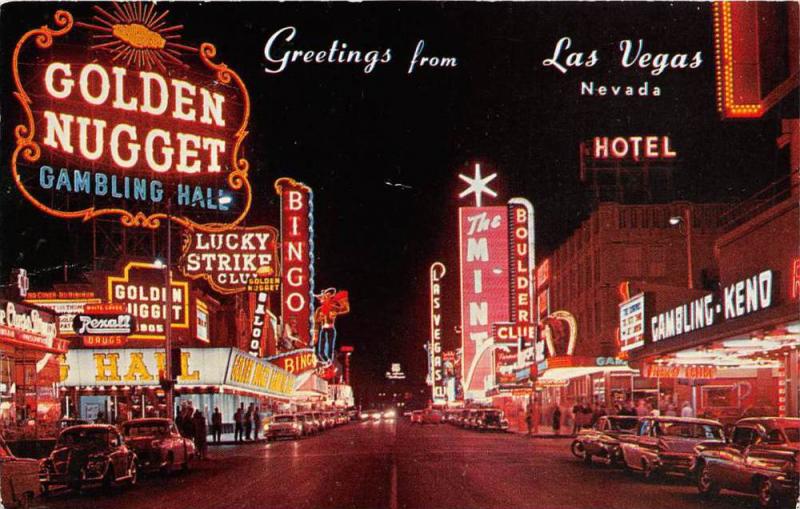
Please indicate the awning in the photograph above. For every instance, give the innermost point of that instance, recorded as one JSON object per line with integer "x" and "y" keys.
{"x": 565, "y": 374}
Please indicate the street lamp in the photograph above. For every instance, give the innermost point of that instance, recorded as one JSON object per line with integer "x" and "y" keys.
{"x": 686, "y": 220}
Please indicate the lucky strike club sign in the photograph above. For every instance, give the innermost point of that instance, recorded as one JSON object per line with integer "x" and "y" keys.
{"x": 120, "y": 117}
{"x": 232, "y": 261}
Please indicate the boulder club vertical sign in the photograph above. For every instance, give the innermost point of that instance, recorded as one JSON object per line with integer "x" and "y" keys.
{"x": 437, "y": 272}
{"x": 123, "y": 119}
{"x": 297, "y": 262}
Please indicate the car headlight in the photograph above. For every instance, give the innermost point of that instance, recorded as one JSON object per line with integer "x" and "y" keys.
{"x": 364, "y": 415}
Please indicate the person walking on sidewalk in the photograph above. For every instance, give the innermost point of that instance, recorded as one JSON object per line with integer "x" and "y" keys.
{"x": 216, "y": 425}
{"x": 529, "y": 421}
{"x": 238, "y": 430}
{"x": 256, "y": 423}
{"x": 556, "y": 420}
{"x": 200, "y": 433}
{"x": 248, "y": 422}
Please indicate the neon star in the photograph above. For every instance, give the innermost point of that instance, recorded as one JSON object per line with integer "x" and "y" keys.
{"x": 478, "y": 185}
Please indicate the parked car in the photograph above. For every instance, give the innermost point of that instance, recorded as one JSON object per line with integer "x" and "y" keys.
{"x": 470, "y": 419}
{"x": 63, "y": 424}
{"x": 666, "y": 444}
{"x": 431, "y": 417}
{"x": 19, "y": 479}
{"x": 491, "y": 419}
{"x": 602, "y": 440}
{"x": 310, "y": 425}
{"x": 283, "y": 426}
{"x": 761, "y": 457}
{"x": 89, "y": 454}
{"x": 158, "y": 445}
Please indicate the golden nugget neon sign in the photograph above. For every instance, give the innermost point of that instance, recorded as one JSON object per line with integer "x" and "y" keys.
{"x": 135, "y": 123}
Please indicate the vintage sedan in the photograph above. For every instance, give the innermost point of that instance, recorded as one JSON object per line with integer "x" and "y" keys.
{"x": 602, "y": 441}
{"x": 666, "y": 444}
{"x": 761, "y": 457}
{"x": 158, "y": 445}
{"x": 89, "y": 454}
{"x": 284, "y": 426}
{"x": 19, "y": 479}
{"x": 491, "y": 419}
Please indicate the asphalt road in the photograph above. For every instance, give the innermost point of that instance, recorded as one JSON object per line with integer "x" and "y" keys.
{"x": 399, "y": 466}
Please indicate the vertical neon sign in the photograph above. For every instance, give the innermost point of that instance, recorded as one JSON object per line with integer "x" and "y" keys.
{"x": 297, "y": 260}
{"x": 437, "y": 272}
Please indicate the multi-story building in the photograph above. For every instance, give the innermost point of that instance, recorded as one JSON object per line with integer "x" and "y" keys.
{"x": 650, "y": 246}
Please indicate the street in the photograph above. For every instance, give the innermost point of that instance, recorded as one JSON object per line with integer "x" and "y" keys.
{"x": 398, "y": 465}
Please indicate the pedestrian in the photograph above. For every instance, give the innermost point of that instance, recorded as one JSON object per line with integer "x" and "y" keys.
{"x": 256, "y": 423}
{"x": 671, "y": 411}
{"x": 200, "y": 433}
{"x": 529, "y": 421}
{"x": 216, "y": 425}
{"x": 248, "y": 422}
{"x": 577, "y": 413}
{"x": 687, "y": 411}
{"x": 238, "y": 430}
{"x": 556, "y": 420}
{"x": 188, "y": 424}
{"x": 101, "y": 418}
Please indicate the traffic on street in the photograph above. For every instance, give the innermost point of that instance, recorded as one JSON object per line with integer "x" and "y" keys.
{"x": 387, "y": 464}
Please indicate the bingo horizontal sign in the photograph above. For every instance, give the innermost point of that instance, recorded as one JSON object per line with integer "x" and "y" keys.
{"x": 229, "y": 261}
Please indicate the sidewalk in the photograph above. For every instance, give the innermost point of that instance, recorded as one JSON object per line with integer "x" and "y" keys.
{"x": 227, "y": 439}
{"x": 543, "y": 433}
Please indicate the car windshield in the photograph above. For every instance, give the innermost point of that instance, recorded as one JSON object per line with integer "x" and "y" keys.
{"x": 146, "y": 430}
{"x": 792, "y": 434}
{"x": 92, "y": 437}
{"x": 284, "y": 418}
{"x": 623, "y": 424}
{"x": 690, "y": 430}
{"x": 492, "y": 416}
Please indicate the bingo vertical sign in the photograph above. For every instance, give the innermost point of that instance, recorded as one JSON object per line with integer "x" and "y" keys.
{"x": 297, "y": 262}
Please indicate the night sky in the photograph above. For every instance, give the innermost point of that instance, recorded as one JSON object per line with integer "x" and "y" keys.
{"x": 346, "y": 133}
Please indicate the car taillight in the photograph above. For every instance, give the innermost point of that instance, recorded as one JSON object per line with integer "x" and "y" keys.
{"x": 154, "y": 443}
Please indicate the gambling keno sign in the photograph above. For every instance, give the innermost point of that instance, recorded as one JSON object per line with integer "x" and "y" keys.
{"x": 120, "y": 117}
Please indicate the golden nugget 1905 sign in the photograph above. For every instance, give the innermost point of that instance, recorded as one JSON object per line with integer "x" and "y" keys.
{"x": 121, "y": 119}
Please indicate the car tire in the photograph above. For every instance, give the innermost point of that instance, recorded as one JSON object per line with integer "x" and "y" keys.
{"x": 26, "y": 501}
{"x": 705, "y": 484}
{"x": 108, "y": 479}
{"x": 766, "y": 494}
{"x": 133, "y": 473}
{"x": 577, "y": 449}
{"x": 649, "y": 473}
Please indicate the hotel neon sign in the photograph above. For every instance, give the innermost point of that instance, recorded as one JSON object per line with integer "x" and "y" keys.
{"x": 109, "y": 128}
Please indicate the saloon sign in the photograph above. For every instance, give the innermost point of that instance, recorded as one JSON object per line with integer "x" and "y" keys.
{"x": 231, "y": 260}
{"x": 124, "y": 119}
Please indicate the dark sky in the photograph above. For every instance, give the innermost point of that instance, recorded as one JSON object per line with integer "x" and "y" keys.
{"x": 346, "y": 133}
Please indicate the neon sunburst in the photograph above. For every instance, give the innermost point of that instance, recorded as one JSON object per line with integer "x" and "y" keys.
{"x": 134, "y": 33}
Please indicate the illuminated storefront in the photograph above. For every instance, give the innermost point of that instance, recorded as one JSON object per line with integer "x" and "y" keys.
{"x": 29, "y": 370}
{"x": 733, "y": 351}
{"x": 124, "y": 383}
